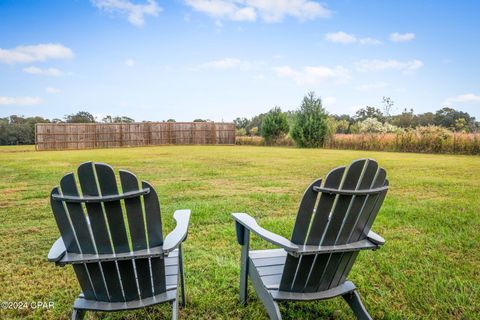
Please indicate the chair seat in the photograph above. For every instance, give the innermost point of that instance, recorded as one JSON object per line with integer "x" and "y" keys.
{"x": 171, "y": 274}
{"x": 269, "y": 265}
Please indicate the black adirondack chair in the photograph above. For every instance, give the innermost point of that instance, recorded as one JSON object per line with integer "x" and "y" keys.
{"x": 332, "y": 225}
{"x": 117, "y": 269}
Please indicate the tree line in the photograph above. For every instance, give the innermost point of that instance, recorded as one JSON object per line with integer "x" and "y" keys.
{"x": 310, "y": 125}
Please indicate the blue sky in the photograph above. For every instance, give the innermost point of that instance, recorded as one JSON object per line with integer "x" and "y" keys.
{"x": 222, "y": 59}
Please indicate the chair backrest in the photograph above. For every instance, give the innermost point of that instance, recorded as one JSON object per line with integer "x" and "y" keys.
{"x": 103, "y": 226}
{"x": 333, "y": 219}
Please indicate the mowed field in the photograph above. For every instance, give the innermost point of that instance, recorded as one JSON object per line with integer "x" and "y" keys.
{"x": 428, "y": 269}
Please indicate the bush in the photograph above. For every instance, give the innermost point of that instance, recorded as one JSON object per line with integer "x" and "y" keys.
{"x": 274, "y": 126}
{"x": 372, "y": 125}
{"x": 310, "y": 129}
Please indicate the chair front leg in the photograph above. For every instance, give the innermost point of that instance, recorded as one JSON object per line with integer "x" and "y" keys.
{"x": 243, "y": 235}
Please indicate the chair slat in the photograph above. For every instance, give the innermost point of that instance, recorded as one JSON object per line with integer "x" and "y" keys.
{"x": 155, "y": 236}
{"x": 98, "y": 224}
{"x": 63, "y": 223}
{"x": 136, "y": 225}
{"x": 77, "y": 216}
{"x": 84, "y": 281}
{"x": 152, "y": 216}
{"x": 305, "y": 211}
{"x": 134, "y": 210}
{"x": 113, "y": 209}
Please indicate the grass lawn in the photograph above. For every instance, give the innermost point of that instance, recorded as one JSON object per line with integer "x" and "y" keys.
{"x": 429, "y": 267}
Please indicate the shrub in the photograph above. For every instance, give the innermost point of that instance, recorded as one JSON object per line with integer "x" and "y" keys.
{"x": 274, "y": 126}
{"x": 310, "y": 129}
{"x": 372, "y": 125}
{"x": 240, "y": 132}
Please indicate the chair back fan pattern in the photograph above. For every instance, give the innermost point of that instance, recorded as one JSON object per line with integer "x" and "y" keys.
{"x": 97, "y": 219}
{"x": 333, "y": 218}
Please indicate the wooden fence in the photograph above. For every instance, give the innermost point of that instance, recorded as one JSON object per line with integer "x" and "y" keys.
{"x": 67, "y": 136}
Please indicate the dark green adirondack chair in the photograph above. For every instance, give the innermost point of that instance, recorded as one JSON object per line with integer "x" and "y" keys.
{"x": 332, "y": 225}
{"x": 115, "y": 243}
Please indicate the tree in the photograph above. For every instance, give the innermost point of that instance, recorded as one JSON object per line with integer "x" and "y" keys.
{"x": 425, "y": 119}
{"x": 274, "y": 126}
{"x": 241, "y": 123}
{"x": 404, "y": 120}
{"x": 80, "y": 117}
{"x": 171, "y": 120}
{"x": 18, "y": 129}
{"x": 387, "y": 103}
{"x": 369, "y": 112}
{"x": 310, "y": 129}
{"x": 255, "y": 122}
{"x": 202, "y": 120}
{"x": 446, "y": 118}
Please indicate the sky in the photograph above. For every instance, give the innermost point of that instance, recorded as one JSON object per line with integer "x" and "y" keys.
{"x": 220, "y": 59}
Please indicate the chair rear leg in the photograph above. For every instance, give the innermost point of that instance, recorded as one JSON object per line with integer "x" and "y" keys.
{"x": 182, "y": 275}
{"x": 78, "y": 314}
{"x": 355, "y": 303}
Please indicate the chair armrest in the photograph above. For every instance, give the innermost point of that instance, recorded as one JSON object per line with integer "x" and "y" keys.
{"x": 365, "y": 244}
{"x": 248, "y": 222}
{"x": 179, "y": 234}
{"x": 79, "y": 258}
{"x": 375, "y": 238}
{"x": 57, "y": 251}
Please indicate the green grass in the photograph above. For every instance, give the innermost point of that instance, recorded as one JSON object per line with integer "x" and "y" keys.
{"x": 429, "y": 267}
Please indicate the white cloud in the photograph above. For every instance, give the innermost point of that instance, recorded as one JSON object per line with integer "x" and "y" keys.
{"x": 402, "y": 37}
{"x": 129, "y": 62}
{"x": 347, "y": 38}
{"x": 32, "y": 53}
{"x": 268, "y": 10}
{"x": 463, "y": 98}
{"x": 371, "y": 86}
{"x": 341, "y": 37}
{"x": 52, "y": 72}
{"x": 222, "y": 64}
{"x": 20, "y": 101}
{"x": 52, "y": 90}
{"x": 313, "y": 75}
{"x": 391, "y": 64}
{"x": 135, "y": 12}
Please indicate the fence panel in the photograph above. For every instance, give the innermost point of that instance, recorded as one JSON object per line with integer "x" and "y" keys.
{"x": 67, "y": 136}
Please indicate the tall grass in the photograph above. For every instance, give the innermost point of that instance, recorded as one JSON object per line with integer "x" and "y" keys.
{"x": 429, "y": 139}
{"x": 409, "y": 141}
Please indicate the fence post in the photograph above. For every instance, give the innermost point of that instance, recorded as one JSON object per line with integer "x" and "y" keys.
{"x": 213, "y": 133}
